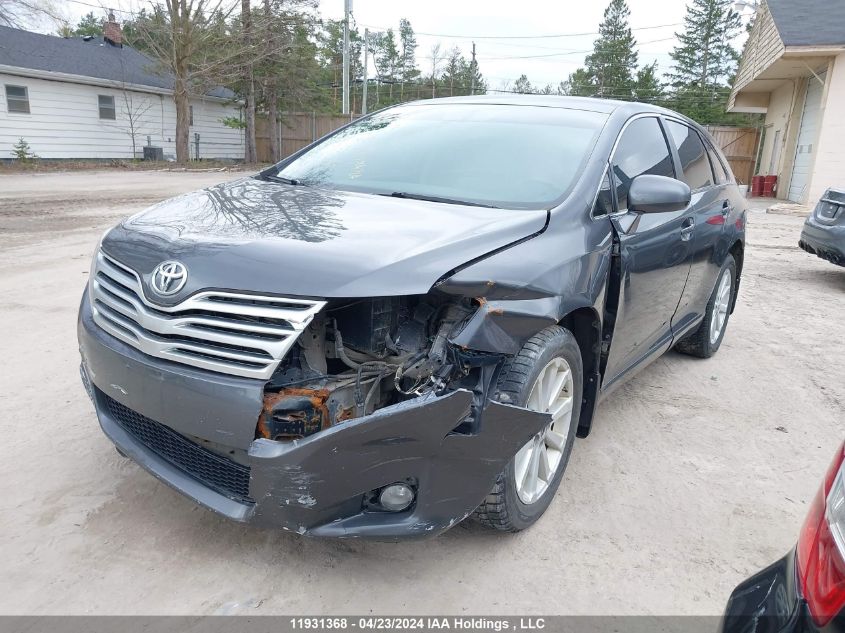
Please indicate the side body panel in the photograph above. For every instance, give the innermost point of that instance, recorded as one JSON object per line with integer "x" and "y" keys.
{"x": 562, "y": 276}
{"x": 655, "y": 263}
{"x": 536, "y": 283}
{"x": 719, "y": 223}
{"x": 718, "y": 216}
{"x": 655, "y": 253}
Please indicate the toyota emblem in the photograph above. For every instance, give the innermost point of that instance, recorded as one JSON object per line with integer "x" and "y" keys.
{"x": 169, "y": 278}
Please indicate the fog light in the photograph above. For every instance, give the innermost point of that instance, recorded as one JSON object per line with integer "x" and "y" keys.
{"x": 396, "y": 497}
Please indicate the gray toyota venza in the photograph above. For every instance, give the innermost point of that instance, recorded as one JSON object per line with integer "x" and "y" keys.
{"x": 411, "y": 320}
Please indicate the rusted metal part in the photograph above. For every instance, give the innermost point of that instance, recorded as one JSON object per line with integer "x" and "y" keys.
{"x": 293, "y": 413}
{"x": 345, "y": 413}
{"x": 484, "y": 304}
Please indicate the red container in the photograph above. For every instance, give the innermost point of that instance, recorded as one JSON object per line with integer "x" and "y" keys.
{"x": 757, "y": 186}
{"x": 770, "y": 185}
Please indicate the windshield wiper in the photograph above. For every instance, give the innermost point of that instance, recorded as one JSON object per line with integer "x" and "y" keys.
{"x": 418, "y": 196}
{"x": 281, "y": 179}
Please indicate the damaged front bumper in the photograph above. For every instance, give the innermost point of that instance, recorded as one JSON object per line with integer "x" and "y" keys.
{"x": 195, "y": 431}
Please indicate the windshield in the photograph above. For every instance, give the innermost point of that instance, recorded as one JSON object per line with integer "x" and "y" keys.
{"x": 524, "y": 157}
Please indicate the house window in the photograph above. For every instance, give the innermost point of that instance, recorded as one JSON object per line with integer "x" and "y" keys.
{"x": 17, "y": 99}
{"x": 190, "y": 115}
{"x": 107, "y": 111}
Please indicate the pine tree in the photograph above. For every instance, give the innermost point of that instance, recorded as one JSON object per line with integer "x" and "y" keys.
{"x": 704, "y": 60}
{"x": 387, "y": 60}
{"x": 647, "y": 87}
{"x": 474, "y": 82}
{"x": 523, "y": 86}
{"x": 455, "y": 73}
{"x": 408, "y": 71}
{"x": 89, "y": 24}
{"x": 609, "y": 69}
{"x": 22, "y": 151}
{"x": 331, "y": 58}
{"x": 300, "y": 78}
{"x": 579, "y": 84}
{"x": 704, "y": 55}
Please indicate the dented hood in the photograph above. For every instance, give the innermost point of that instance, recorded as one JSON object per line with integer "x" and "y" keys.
{"x": 260, "y": 236}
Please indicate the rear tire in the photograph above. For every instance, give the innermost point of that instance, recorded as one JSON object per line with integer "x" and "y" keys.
{"x": 706, "y": 340}
{"x": 505, "y": 508}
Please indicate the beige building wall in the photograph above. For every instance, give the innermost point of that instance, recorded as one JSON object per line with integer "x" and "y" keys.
{"x": 829, "y": 163}
{"x": 777, "y": 124}
{"x": 762, "y": 49}
{"x": 787, "y": 159}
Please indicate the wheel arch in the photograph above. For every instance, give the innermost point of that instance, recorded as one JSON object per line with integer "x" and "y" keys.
{"x": 585, "y": 325}
{"x": 737, "y": 249}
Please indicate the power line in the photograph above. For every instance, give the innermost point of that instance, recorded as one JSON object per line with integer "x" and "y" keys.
{"x": 568, "y": 52}
{"x": 523, "y": 37}
{"x": 590, "y": 50}
{"x": 101, "y": 6}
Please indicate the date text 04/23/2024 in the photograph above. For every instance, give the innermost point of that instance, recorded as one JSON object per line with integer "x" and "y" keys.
{"x": 418, "y": 623}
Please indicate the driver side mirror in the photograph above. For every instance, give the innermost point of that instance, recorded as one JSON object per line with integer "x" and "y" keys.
{"x": 657, "y": 194}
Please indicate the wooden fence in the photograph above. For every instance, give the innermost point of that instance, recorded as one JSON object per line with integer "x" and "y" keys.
{"x": 740, "y": 147}
{"x": 298, "y": 129}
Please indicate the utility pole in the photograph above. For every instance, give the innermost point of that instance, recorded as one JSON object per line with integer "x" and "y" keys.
{"x": 347, "y": 9}
{"x": 366, "y": 78}
{"x": 472, "y": 90}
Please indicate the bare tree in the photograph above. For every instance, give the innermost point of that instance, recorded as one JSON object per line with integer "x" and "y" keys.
{"x": 19, "y": 13}
{"x": 183, "y": 21}
{"x": 249, "y": 97}
{"x": 436, "y": 58}
{"x": 191, "y": 48}
{"x": 271, "y": 89}
{"x": 135, "y": 109}
{"x": 135, "y": 106}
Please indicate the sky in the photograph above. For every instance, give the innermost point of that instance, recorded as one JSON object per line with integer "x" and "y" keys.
{"x": 506, "y": 33}
{"x": 544, "y": 39}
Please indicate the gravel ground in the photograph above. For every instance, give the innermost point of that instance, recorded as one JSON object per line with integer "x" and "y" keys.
{"x": 697, "y": 473}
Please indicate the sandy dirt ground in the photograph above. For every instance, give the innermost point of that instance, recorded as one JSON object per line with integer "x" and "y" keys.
{"x": 697, "y": 473}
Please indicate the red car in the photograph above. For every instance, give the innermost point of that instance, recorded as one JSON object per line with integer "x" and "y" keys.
{"x": 805, "y": 590}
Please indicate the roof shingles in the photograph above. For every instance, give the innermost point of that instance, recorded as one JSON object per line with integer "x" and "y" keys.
{"x": 95, "y": 58}
{"x": 809, "y": 22}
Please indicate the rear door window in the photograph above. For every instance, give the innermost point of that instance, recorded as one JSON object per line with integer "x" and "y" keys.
{"x": 694, "y": 161}
{"x": 718, "y": 167}
{"x": 642, "y": 149}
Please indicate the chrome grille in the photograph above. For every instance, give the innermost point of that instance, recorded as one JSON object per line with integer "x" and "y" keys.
{"x": 232, "y": 333}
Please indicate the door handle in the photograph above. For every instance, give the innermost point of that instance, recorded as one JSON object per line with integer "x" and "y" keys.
{"x": 687, "y": 228}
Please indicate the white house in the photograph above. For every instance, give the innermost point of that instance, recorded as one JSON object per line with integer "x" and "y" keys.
{"x": 95, "y": 98}
{"x": 793, "y": 71}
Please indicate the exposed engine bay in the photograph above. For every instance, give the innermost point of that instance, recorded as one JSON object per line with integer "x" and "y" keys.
{"x": 360, "y": 355}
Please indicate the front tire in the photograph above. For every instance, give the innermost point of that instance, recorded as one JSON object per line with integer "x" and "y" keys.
{"x": 546, "y": 375}
{"x": 706, "y": 340}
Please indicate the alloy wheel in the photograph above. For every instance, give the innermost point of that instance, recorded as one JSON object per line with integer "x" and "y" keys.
{"x": 720, "y": 306}
{"x": 537, "y": 463}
